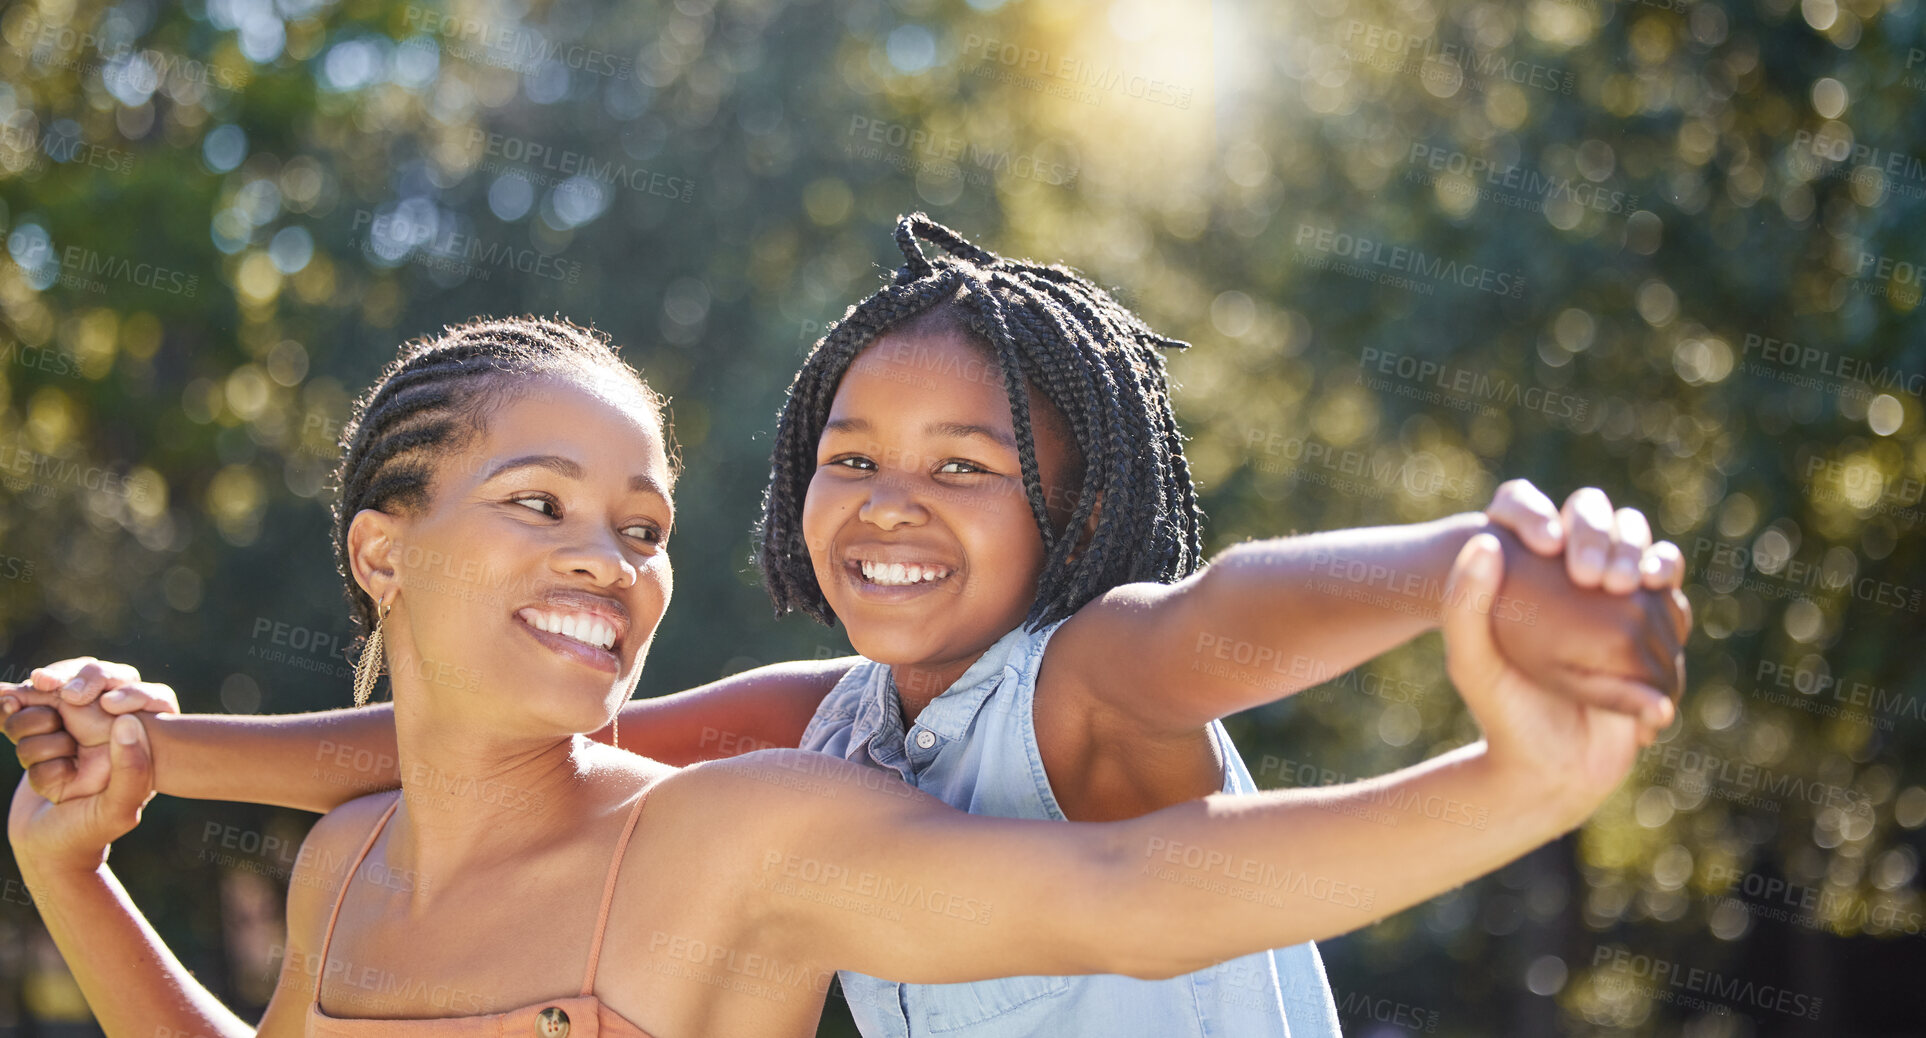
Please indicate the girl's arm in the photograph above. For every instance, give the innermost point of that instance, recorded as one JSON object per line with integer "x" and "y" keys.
{"x": 847, "y": 869}
{"x": 1268, "y": 619}
{"x": 317, "y": 761}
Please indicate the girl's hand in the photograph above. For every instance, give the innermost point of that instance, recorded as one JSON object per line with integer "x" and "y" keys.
{"x": 1567, "y": 746}
{"x": 1602, "y": 547}
{"x": 73, "y": 836}
{"x": 59, "y": 719}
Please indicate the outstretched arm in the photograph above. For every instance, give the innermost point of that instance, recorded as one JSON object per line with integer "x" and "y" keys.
{"x": 1268, "y": 619}
{"x": 130, "y": 978}
{"x": 318, "y": 761}
{"x": 850, "y": 871}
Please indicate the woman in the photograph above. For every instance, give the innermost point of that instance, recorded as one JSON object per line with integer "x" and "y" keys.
{"x": 504, "y": 519}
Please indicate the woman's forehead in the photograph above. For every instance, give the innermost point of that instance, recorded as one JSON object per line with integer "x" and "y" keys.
{"x": 588, "y": 424}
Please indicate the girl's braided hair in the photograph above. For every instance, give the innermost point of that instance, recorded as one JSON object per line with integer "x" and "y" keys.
{"x": 1049, "y": 328}
{"x": 432, "y": 400}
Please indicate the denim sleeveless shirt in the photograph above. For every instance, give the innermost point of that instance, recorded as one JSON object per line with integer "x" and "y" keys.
{"x": 975, "y": 747}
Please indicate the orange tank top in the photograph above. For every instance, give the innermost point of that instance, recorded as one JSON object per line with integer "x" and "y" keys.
{"x": 583, "y": 1016}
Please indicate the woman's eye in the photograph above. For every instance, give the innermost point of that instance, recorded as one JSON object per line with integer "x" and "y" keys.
{"x": 536, "y": 503}
{"x": 644, "y": 532}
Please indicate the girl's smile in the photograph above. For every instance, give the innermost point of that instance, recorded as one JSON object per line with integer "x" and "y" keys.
{"x": 918, "y": 480}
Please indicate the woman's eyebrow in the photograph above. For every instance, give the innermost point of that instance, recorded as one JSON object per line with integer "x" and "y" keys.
{"x": 563, "y": 466}
{"x": 553, "y": 462}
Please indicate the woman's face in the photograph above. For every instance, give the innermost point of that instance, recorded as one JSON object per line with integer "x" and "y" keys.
{"x": 534, "y": 579}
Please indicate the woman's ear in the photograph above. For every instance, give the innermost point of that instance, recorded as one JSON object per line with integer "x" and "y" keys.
{"x": 374, "y": 552}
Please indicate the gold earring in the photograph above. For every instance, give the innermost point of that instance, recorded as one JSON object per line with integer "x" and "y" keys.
{"x": 367, "y": 669}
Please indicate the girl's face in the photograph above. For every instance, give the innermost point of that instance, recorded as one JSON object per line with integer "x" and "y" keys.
{"x": 536, "y": 576}
{"x": 917, "y": 523}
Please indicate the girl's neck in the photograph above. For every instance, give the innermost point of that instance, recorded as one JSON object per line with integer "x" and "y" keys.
{"x": 918, "y": 684}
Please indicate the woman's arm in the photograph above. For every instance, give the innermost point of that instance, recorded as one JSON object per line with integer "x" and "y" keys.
{"x": 849, "y": 869}
{"x": 1267, "y": 619}
{"x": 318, "y": 761}
{"x": 130, "y": 978}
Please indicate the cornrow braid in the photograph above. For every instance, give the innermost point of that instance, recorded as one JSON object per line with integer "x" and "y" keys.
{"x": 1049, "y": 328}
{"x": 431, "y": 401}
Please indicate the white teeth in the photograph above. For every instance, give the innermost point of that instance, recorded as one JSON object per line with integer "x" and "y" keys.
{"x": 899, "y": 574}
{"x": 589, "y": 630}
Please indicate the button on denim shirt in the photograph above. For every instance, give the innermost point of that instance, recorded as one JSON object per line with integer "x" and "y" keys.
{"x": 975, "y": 747}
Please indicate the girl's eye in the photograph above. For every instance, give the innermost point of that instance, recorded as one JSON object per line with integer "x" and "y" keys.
{"x": 960, "y": 468}
{"x": 537, "y": 503}
{"x": 853, "y": 462}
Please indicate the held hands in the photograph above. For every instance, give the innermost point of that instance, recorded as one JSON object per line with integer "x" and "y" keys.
{"x": 1608, "y": 611}
{"x": 1578, "y": 753}
{"x": 73, "y": 835}
{"x": 59, "y": 721}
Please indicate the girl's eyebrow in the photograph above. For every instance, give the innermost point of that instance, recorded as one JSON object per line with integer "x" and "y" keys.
{"x": 953, "y": 429}
{"x": 965, "y": 429}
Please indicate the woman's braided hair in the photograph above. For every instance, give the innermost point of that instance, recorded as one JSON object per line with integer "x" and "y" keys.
{"x": 1049, "y": 328}
{"x": 432, "y": 400}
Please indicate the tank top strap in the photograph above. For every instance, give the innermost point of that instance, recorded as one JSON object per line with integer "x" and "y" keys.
{"x": 608, "y": 892}
{"x": 327, "y": 937}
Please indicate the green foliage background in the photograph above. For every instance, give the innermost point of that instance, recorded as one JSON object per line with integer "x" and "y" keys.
{"x": 222, "y": 217}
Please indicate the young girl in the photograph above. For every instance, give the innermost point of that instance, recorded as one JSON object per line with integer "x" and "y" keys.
{"x": 979, "y": 464}
{"x": 525, "y": 451}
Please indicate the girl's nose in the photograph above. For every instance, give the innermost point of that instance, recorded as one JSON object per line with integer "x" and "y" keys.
{"x": 890, "y": 504}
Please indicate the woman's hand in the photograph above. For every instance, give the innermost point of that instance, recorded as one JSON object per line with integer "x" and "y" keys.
{"x": 73, "y": 835}
{"x": 1566, "y": 747}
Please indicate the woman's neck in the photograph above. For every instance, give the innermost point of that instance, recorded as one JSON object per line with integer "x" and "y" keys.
{"x": 473, "y": 795}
